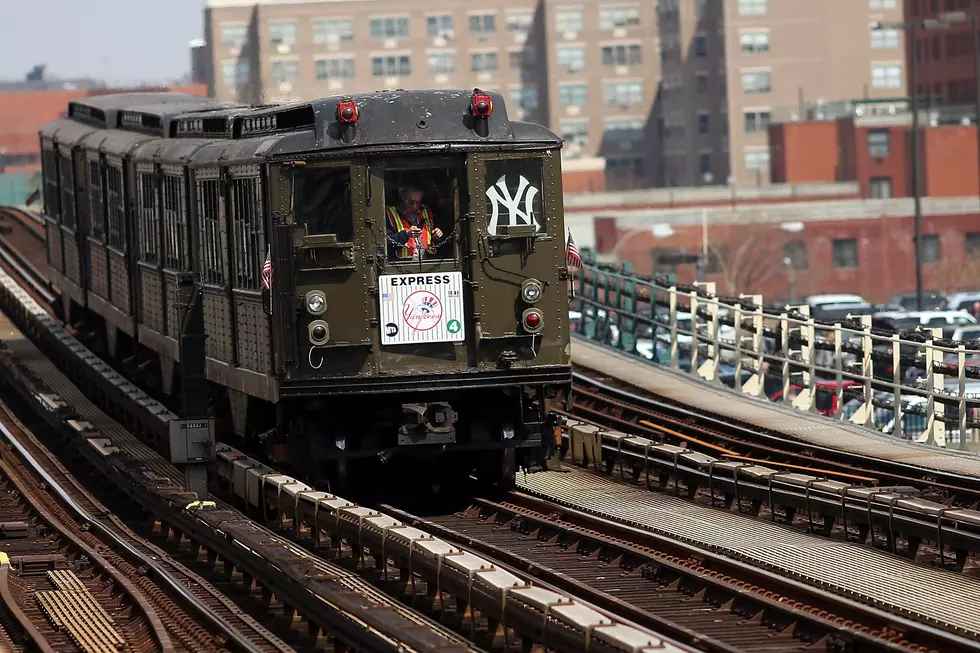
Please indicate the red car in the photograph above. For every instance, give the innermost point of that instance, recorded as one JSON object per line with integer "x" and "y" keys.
{"x": 826, "y": 395}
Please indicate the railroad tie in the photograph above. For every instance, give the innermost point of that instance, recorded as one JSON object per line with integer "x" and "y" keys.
{"x": 72, "y": 608}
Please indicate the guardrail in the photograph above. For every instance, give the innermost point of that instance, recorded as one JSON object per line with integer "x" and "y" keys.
{"x": 915, "y": 384}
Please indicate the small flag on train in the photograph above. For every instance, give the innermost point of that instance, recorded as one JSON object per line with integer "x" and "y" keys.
{"x": 267, "y": 270}
{"x": 572, "y": 258}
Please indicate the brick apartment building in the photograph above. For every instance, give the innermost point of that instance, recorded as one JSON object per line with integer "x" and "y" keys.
{"x": 667, "y": 93}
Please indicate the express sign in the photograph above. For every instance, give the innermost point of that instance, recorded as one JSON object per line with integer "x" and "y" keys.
{"x": 419, "y": 308}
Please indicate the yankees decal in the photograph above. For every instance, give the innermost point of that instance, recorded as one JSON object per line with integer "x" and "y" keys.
{"x": 518, "y": 208}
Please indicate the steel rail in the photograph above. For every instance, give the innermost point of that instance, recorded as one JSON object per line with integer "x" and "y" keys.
{"x": 161, "y": 575}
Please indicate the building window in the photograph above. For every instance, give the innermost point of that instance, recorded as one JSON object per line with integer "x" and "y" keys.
{"x": 483, "y": 62}
{"x": 332, "y": 31}
{"x": 882, "y": 5}
{"x": 441, "y": 25}
{"x": 754, "y": 42}
{"x": 881, "y": 188}
{"x": 704, "y": 162}
{"x": 522, "y": 59}
{"x": 884, "y": 39}
{"x": 886, "y": 76}
{"x": 879, "y": 142}
{"x": 757, "y": 121}
{"x": 389, "y": 28}
{"x": 575, "y": 132}
{"x": 624, "y": 93}
{"x": 282, "y": 33}
{"x": 483, "y": 24}
{"x": 235, "y": 72}
{"x": 442, "y": 63}
{"x": 519, "y": 22}
{"x": 623, "y": 129}
{"x": 753, "y": 7}
{"x": 525, "y": 97}
{"x": 621, "y": 55}
{"x": 704, "y": 124}
{"x": 393, "y": 66}
{"x": 931, "y": 248}
{"x": 619, "y": 17}
{"x": 234, "y": 36}
{"x": 757, "y": 160}
{"x": 335, "y": 68}
{"x": 700, "y": 46}
{"x": 571, "y": 57}
{"x": 572, "y": 95}
{"x": 285, "y": 71}
{"x": 845, "y": 253}
{"x": 794, "y": 255}
{"x": 701, "y": 82}
{"x": 568, "y": 20}
{"x": 972, "y": 243}
{"x": 756, "y": 81}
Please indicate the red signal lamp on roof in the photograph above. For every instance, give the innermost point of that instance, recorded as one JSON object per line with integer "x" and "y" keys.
{"x": 482, "y": 105}
{"x": 347, "y": 112}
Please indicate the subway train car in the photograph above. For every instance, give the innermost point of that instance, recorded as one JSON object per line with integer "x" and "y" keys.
{"x": 338, "y": 335}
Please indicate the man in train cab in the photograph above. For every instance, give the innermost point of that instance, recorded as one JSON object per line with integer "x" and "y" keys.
{"x": 410, "y": 227}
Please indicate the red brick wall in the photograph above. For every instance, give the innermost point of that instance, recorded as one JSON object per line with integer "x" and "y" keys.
{"x": 803, "y": 152}
{"x": 583, "y": 181}
{"x": 753, "y": 255}
{"x": 950, "y": 162}
{"x": 894, "y": 166}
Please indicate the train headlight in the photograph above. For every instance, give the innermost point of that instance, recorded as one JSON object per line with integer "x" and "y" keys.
{"x": 533, "y": 320}
{"x": 531, "y": 291}
{"x": 319, "y": 332}
{"x": 316, "y": 302}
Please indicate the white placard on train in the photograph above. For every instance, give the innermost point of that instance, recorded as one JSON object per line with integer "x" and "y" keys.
{"x": 421, "y": 308}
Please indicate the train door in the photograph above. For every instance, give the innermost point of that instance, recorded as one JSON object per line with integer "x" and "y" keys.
{"x": 321, "y": 308}
{"x": 422, "y": 296}
{"x": 519, "y": 230}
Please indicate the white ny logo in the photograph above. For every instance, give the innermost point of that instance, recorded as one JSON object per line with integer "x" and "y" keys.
{"x": 512, "y": 204}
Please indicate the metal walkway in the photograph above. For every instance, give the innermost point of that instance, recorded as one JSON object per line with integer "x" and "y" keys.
{"x": 941, "y": 598}
{"x": 720, "y": 400}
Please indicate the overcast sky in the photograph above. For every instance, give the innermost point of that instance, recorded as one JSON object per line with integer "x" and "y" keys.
{"x": 117, "y": 40}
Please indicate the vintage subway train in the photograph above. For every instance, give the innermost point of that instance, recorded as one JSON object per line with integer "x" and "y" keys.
{"x": 332, "y": 337}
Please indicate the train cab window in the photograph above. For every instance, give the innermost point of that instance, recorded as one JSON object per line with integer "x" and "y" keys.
{"x": 322, "y": 201}
{"x": 115, "y": 200}
{"x": 148, "y": 227}
{"x": 514, "y": 195}
{"x": 49, "y": 164}
{"x": 419, "y": 214}
{"x": 67, "y": 190}
{"x": 97, "y": 220}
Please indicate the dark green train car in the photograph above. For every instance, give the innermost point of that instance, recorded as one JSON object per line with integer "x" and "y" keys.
{"x": 336, "y": 332}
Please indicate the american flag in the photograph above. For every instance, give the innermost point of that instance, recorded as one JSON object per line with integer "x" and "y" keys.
{"x": 572, "y": 258}
{"x": 267, "y": 271}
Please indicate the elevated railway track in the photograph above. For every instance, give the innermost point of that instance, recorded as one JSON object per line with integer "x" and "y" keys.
{"x": 461, "y": 569}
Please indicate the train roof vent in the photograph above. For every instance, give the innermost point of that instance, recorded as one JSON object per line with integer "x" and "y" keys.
{"x": 140, "y": 121}
{"x": 86, "y": 113}
{"x": 202, "y": 127}
{"x": 277, "y": 119}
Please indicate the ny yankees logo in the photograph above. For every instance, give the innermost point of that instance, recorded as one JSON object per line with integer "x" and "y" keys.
{"x": 499, "y": 195}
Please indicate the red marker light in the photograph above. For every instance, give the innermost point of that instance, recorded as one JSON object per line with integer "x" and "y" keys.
{"x": 532, "y": 320}
{"x": 347, "y": 112}
{"x": 482, "y": 105}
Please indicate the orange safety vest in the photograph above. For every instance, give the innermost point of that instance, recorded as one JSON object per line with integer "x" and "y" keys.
{"x": 401, "y": 224}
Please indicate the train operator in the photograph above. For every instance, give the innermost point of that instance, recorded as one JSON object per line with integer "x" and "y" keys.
{"x": 410, "y": 225}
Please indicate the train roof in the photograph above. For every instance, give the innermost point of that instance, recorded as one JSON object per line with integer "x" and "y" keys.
{"x": 431, "y": 118}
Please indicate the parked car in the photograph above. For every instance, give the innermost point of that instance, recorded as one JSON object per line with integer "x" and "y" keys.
{"x": 826, "y": 399}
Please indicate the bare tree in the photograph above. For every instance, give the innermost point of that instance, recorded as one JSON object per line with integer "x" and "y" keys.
{"x": 749, "y": 260}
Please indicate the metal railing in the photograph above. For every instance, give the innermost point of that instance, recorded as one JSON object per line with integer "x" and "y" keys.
{"x": 914, "y": 385}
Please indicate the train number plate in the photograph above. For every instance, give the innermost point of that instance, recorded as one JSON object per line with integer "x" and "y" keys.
{"x": 421, "y": 308}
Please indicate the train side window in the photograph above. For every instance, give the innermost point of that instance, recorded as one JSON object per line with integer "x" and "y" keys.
{"x": 115, "y": 207}
{"x": 322, "y": 201}
{"x": 66, "y": 172}
{"x": 49, "y": 165}
{"x": 148, "y": 225}
{"x": 417, "y": 197}
{"x": 97, "y": 224}
{"x": 514, "y": 194}
{"x": 174, "y": 220}
{"x": 213, "y": 235}
{"x": 247, "y": 231}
